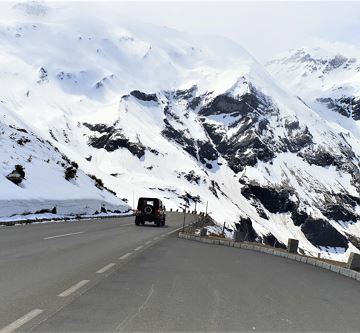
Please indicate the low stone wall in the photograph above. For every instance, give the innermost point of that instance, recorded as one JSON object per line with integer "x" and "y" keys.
{"x": 255, "y": 247}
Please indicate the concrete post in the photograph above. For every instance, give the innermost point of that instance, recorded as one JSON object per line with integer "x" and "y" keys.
{"x": 354, "y": 261}
{"x": 293, "y": 245}
{"x": 203, "y": 232}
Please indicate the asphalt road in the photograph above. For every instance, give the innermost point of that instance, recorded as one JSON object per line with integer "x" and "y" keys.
{"x": 40, "y": 261}
{"x": 68, "y": 284}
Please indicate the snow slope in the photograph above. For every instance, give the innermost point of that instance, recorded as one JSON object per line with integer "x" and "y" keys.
{"x": 44, "y": 188}
{"x": 191, "y": 119}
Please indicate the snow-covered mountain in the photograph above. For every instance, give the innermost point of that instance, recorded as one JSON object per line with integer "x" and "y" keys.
{"x": 192, "y": 119}
{"x": 37, "y": 178}
{"x": 326, "y": 77}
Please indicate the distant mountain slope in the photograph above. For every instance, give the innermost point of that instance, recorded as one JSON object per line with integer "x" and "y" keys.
{"x": 325, "y": 77}
{"x": 33, "y": 177}
{"x": 191, "y": 119}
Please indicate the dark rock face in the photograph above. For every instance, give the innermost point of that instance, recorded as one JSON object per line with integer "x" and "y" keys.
{"x": 101, "y": 128}
{"x": 244, "y": 148}
{"x": 339, "y": 212}
{"x": 17, "y": 175}
{"x": 249, "y": 103}
{"x": 191, "y": 177}
{"x": 43, "y": 75}
{"x": 180, "y": 138}
{"x": 297, "y": 138}
{"x": 253, "y": 139}
{"x": 356, "y": 109}
{"x": 354, "y": 240}
{"x": 319, "y": 157}
{"x": 143, "y": 96}
{"x": 322, "y": 233}
{"x": 207, "y": 152}
{"x": 348, "y": 106}
{"x": 113, "y": 139}
{"x": 299, "y": 217}
{"x": 189, "y": 198}
{"x": 215, "y": 189}
{"x": 335, "y": 62}
{"x": 245, "y": 225}
{"x": 271, "y": 240}
{"x": 275, "y": 200}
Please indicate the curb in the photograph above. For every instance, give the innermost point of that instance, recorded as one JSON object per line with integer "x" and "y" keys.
{"x": 311, "y": 261}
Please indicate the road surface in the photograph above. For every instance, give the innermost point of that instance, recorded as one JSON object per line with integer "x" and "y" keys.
{"x": 111, "y": 276}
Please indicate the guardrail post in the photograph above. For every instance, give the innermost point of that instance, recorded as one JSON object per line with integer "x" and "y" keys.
{"x": 203, "y": 232}
{"x": 293, "y": 245}
{"x": 354, "y": 261}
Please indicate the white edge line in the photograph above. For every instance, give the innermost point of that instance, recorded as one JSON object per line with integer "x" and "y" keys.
{"x": 21, "y": 321}
{"x": 64, "y": 235}
{"x": 148, "y": 242}
{"x": 138, "y": 248}
{"x": 75, "y": 287}
{"x": 105, "y": 268}
{"x": 125, "y": 256}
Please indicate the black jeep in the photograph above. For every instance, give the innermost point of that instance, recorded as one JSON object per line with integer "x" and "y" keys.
{"x": 150, "y": 210}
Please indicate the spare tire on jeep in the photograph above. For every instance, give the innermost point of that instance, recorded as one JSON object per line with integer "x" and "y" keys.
{"x": 150, "y": 210}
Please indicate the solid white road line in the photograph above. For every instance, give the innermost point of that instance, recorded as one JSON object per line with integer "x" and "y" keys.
{"x": 64, "y": 235}
{"x": 21, "y": 321}
{"x": 75, "y": 287}
{"x": 148, "y": 242}
{"x": 105, "y": 268}
{"x": 125, "y": 256}
{"x": 138, "y": 248}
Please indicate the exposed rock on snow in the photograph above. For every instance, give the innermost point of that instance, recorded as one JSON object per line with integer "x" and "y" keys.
{"x": 321, "y": 233}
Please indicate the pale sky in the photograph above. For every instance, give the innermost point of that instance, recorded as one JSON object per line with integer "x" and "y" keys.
{"x": 263, "y": 28}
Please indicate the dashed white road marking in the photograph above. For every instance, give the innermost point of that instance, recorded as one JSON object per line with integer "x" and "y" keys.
{"x": 156, "y": 238}
{"x": 148, "y": 242}
{"x": 21, "y": 321}
{"x": 125, "y": 256}
{"x": 105, "y": 268}
{"x": 64, "y": 235}
{"x": 75, "y": 287}
{"x": 138, "y": 248}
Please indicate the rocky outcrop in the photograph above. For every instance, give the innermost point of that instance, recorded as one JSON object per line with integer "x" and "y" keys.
{"x": 113, "y": 139}
{"x": 17, "y": 175}
{"x": 274, "y": 199}
{"x": 180, "y": 138}
{"x": 322, "y": 233}
{"x": 143, "y": 96}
